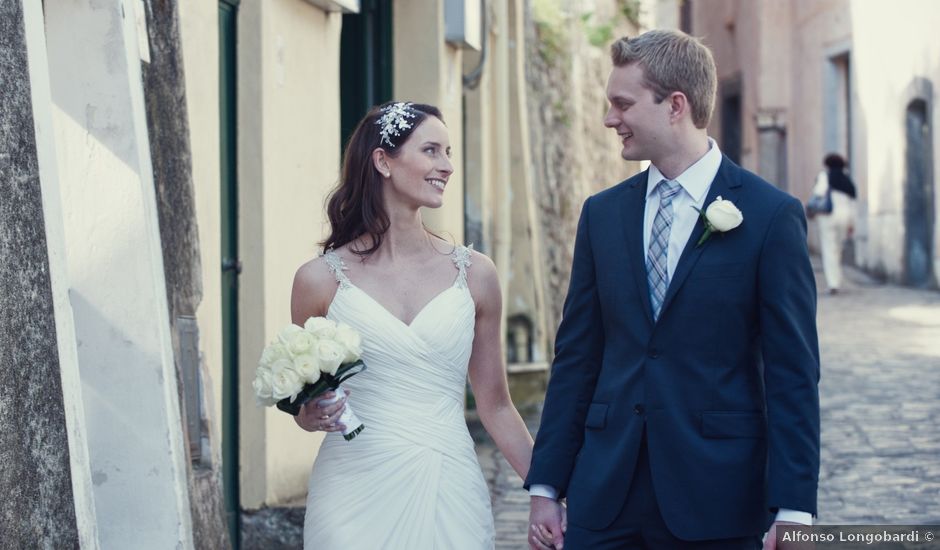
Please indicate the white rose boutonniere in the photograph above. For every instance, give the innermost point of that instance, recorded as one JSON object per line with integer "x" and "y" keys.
{"x": 720, "y": 216}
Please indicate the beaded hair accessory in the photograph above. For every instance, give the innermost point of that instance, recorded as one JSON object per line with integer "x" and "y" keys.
{"x": 394, "y": 119}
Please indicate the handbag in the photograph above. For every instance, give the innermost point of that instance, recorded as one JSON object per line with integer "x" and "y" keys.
{"x": 819, "y": 204}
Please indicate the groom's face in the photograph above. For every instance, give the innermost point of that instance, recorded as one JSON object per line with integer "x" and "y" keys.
{"x": 640, "y": 122}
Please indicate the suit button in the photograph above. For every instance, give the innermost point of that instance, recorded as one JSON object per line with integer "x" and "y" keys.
{"x": 638, "y": 409}
{"x": 653, "y": 353}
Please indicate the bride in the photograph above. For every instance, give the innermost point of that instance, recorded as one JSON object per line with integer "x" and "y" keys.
{"x": 429, "y": 313}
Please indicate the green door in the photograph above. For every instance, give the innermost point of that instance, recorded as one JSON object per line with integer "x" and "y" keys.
{"x": 365, "y": 62}
{"x": 231, "y": 266}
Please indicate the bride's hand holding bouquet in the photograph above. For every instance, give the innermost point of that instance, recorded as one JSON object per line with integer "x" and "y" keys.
{"x": 309, "y": 362}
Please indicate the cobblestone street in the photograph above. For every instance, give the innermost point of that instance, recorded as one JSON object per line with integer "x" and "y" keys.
{"x": 880, "y": 397}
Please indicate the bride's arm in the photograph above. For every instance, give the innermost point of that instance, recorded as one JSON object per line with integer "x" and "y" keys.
{"x": 487, "y": 372}
{"x": 310, "y": 296}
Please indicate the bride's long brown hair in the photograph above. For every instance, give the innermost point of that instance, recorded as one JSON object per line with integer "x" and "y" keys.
{"x": 356, "y": 207}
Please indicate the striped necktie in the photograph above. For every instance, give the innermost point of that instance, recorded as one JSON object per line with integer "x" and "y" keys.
{"x": 657, "y": 267}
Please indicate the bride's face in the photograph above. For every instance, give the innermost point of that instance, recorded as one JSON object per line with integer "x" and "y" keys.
{"x": 419, "y": 174}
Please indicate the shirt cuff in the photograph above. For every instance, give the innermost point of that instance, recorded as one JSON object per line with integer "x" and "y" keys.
{"x": 793, "y": 516}
{"x": 546, "y": 491}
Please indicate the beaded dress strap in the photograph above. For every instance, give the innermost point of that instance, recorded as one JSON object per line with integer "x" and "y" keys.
{"x": 338, "y": 267}
{"x": 461, "y": 258}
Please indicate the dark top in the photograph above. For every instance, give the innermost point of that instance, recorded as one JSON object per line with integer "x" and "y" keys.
{"x": 840, "y": 181}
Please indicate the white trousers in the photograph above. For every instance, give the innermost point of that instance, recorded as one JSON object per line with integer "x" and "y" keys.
{"x": 833, "y": 231}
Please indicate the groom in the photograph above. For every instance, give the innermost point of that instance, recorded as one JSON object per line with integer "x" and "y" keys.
{"x": 683, "y": 409}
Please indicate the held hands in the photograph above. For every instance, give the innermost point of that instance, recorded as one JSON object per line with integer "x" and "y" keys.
{"x": 548, "y": 521}
{"x": 314, "y": 417}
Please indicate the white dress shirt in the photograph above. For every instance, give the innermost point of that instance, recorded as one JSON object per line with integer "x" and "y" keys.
{"x": 695, "y": 181}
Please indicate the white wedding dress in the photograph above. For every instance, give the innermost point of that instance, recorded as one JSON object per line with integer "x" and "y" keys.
{"x": 411, "y": 479}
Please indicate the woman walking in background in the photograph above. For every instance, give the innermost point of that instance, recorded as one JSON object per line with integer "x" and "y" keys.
{"x": 836, "y": 226}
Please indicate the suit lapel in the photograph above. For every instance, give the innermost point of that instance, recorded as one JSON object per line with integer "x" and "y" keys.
{"x": 633, "y": 207}
{"x": 725, "y": 185}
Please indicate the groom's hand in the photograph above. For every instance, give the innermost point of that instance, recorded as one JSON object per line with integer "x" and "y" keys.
{"x": 547, "y": 524}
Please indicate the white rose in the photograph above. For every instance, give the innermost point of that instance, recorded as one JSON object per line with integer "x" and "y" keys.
{"x": 330, "y": 354}
{"x": 320, "y": 327}
{"x": 272, "y": 352}
{"x": 300, "y": 342}
{"x": 308, "y": 367}
{"x": 262, "y": 385}
{"x": 285, "y": 381}
{"x": 287, "y": 334}
{"x": 723, "y": 215}
{"x": 347, "y": 337}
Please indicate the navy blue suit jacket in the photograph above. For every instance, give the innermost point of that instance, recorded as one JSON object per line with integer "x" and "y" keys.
{"x": 725, "y": 381}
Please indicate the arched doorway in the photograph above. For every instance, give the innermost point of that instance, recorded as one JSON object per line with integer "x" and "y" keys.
{"x": 918, "y": 196}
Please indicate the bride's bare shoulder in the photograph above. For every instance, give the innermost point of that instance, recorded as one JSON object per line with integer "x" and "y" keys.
{"x": 483, "y": 279}
{"x": 314, "y": 273}
{"x": 313, "y": 289}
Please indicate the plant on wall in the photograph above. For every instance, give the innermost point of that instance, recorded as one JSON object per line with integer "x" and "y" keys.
{"x": 552, "y": 30}
{"x": 600, "y": 34}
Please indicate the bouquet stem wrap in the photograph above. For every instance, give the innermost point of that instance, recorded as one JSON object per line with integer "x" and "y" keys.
{"x": 326, "y": 383}
{"x": 348, "y": 419}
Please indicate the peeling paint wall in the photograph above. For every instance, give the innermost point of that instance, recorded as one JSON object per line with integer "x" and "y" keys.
{"x": 169, "y": 133}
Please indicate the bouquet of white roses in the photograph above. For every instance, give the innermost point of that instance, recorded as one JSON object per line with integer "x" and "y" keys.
{"x": 304, "y": 362}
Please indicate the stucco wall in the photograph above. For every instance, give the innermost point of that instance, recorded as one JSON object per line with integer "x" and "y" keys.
{"x": 500, "y": 202}
{"x": 821, "y": 27}
{"x": 883, "y": 73}
{"x": 730, "y": 29}
{"x": 889, "y": 50}
{"x": 288, "y": 161}
{"x": 428, "y": 70}
{"x": 118, "y": 291}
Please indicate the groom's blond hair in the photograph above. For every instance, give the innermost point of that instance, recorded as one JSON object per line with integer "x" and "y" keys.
{"x": 673, "y": 61}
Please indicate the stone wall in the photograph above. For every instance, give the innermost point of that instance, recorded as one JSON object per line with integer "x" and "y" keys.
{"x": 574, "y": 155}
{"x": 37, "y": 509}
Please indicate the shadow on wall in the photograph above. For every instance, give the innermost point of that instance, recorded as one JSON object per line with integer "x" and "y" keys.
{"x": 87, "y": 51}
{"x": 130, "y": 438}
{"x": 101, "y": 383}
